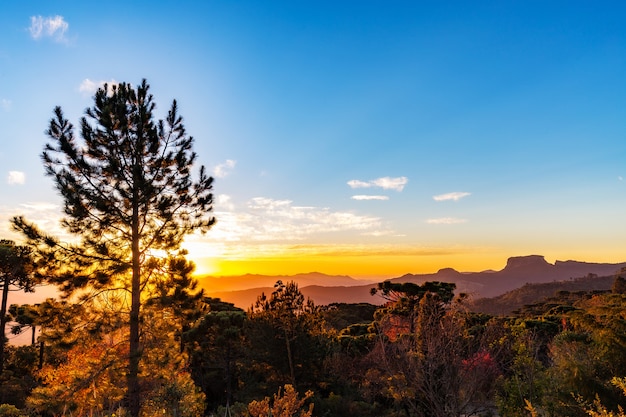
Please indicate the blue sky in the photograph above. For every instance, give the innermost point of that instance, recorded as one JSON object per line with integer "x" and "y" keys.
{"x": 366, "y": 138}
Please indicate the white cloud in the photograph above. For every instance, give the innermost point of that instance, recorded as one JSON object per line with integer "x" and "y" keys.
{"x": 224, "y": 169}
{"x": 89, "y": 87}
{"x": 370, "y": 197}
{"x": 40, "y": 206}
{"x": 620, "y": 178}
{"x": 45, "y": 215}
{"x": 455, "y": 196}
{"x": 223, "y": 201}
{"x": 268, "y": 220}
{"x": 446, "y": 220}
{"x": 262, "y": 203}
{"x": 381, "y": 233}
{"x": 16, "y": 178}
{"x": 359, "y": 184}
{"x": 6, "y": 104}
{"x": 53, "y": 27}
{"x": 386, "y": 183}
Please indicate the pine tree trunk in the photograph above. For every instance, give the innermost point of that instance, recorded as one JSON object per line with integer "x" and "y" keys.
{"x": 3, "y": 319}
{"x": 134, "y": 394}
{"x": 290, "y": 359}
{"x": 229, "y": 390}
{"x": 41, "y": 351}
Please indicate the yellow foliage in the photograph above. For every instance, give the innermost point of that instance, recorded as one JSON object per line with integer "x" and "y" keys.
{"x": 87, "y": 382}
{"x": 529, "y": 407}
{"x": 91, "y": 381}
{"x": 600, "y": 410}
{"x": 285, "y": 404}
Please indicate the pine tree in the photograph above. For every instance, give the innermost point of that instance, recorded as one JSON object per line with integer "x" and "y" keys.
{"x": 15, "y": 274}
{"x": 619, "y": 285}
{"x": 129, "y": 195}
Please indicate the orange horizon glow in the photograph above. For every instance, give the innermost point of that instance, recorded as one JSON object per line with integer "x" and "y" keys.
{"x": 377, "y": 266}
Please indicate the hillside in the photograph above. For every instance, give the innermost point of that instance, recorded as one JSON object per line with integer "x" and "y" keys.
{"x": 319, "y": 294}
{"x": 528, "y": 294}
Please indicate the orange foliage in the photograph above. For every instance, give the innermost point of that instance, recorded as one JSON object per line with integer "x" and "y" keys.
{"x": 285, "y": 404}
{"x": 396, "y": 326}
{"x": 89, "y": 381}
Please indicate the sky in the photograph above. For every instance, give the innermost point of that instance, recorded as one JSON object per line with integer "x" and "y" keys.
{"x": 363, "y": 138}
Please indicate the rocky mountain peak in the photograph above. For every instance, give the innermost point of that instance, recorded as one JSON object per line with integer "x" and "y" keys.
{"x": 529, "y": 261}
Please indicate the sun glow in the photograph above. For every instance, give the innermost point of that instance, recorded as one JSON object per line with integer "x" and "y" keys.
{"x": 361, "y": 262}
{"x": 357, "y": 261}
{"x": 204, "y": 255}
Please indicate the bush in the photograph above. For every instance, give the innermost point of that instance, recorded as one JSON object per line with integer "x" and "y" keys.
{"x": 8, "y": 410}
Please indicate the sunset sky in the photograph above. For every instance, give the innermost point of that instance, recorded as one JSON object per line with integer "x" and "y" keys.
{"x": 367, "y": 138}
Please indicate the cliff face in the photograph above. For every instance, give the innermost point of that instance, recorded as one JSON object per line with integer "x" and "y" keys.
{"x": 527, "y": 262}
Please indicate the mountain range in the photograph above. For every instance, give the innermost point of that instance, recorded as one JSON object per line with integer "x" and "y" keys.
{"x": 325, "y": 289}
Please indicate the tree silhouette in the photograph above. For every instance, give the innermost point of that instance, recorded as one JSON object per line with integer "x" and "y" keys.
{"x": 128, "y": 194}
{"x": 619, "y": 285}
{"x": 25, "y": 316}
{"x": 15, "y": 274}
{"x": 290, "y": 313}
{"x": 404, "y": 297}
{"x": 215, "y": 343}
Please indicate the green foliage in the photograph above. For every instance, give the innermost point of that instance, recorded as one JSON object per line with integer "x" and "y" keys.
{"x": 19, "y": 376}
{"x": 7, "y": 410}
{"x": 215, "y": 345}
{"x": 338, "y": 316}
{"x": 285, "y": 330}
{"x": 591, "y": 352}
{"x": 570, "y": 360}
{"x": 525, "y": 381}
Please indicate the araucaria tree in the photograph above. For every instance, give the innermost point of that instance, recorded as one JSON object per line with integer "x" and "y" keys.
{"x": 16, "y": 274}
{"x": 130, "y": 197}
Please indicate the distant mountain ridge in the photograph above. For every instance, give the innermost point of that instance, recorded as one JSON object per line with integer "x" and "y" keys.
{"x": 518, "y": 271}
{"x": 248, "y": 281}
{"x": 323, "y": 289}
